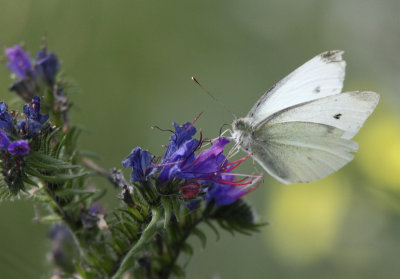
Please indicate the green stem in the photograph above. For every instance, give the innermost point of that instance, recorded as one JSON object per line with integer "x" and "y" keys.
{"x": 177, "y": 248}
{"x": 65, "y": 217}
{"x": 147, "y": 235}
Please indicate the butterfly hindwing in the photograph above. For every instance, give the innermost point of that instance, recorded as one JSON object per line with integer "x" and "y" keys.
{"x": 295, "y": 152}
{"x": 346, "y": 111}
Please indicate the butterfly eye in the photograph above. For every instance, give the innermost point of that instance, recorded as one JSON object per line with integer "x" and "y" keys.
{"x": 239, "y": 125}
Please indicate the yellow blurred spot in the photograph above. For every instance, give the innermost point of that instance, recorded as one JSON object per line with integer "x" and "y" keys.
{"x": 379, "y": 153}
{"x": 305, "y": 219}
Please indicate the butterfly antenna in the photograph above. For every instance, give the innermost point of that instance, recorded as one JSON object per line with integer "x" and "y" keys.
{"x": 212, "y": 97}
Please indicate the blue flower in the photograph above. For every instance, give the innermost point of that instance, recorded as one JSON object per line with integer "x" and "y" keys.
{"x": 205, "y": 166}
{"x": 182, "y": 134}
{"x": 183, "y": 155}
{"x": 96, "y": 209}
{"x": 210, "y": 168}
{"x": 19, "y": 62}
{"x": 34, "y": 119}
{"x": 47, "y": 66}
{"x": 141, "y": 163}
{"x": 4, "y": 140}
{"x": 5, "y": 117}
{"x": 224, "y": 193}
{"x": 19, "y": 148}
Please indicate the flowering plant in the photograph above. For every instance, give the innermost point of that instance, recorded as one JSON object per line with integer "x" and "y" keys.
{"x": 161, "y": 206}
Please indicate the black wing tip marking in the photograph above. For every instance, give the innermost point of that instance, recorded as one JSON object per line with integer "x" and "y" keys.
{"x": 332, "y": 56}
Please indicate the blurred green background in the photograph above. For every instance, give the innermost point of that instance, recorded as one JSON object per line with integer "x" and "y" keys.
{"x": 130, "y": 64}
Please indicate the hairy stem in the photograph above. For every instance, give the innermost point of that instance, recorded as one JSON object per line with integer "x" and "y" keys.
{"x": 66, "y": 218}
{"x": 147, "y": 235}
{"x": 165, "y": 273}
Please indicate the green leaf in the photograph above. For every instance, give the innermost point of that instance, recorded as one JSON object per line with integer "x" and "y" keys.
{"x": 30, "y": 181}
{"x": 99, "y": 194}
{"x": 187, "y": 249}
{"x": 178, "y": 271}
{"x": 60, "y": 178}
{"x": 134, "y": 214}
{"x": 236, "y": 217}
{"x": 165, "y": 201}
{"x": 176, "y": 208}
{"x": 72, "y": 192}
{"x": 5, "y": 194}
{"x": 43, "y": 160}
{"x": 203, "y": 239}
{"x": 213, "y": 228}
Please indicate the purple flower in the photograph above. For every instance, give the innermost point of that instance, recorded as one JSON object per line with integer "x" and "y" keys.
{"x": 5, "y": 117}
{"x": 224, "y": 193}
{"x": 19, "y": 148}
{"x": 47, "y": 66}
{"x": 32, "y": 111}
{"x": 19, "y": 61}
{"x": 34, "y": 119}
{"x": 4, "y": 140}
{"x": 182, "y": 134}
{"x": 209, "y": 168}
{"x": 96, "y": 209}
{"x": 182, "y": 156}
{"x": 141, "y": 163}
{"x": 205, "y": 166}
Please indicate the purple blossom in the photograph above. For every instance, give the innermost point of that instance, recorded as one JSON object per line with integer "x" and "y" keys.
{"x": 5, "y": 117}
{"x": 183, "y": 155}
{"x": 182, "y": 134}
{"x": 19, "y": 61}
{"x": 141, "y": 163}
{"x": 4, "y": 140}
{"x": 223, "y": 193}
{"x": 209, "y": 167}
{"x": 34, "y": 120}
{"x": 19, "y": 148}
{"x": 96, "y": 209}
{"x": 205, "y": 166}
{"x": 208, "y": 173}
{"x": 47, "y": 66}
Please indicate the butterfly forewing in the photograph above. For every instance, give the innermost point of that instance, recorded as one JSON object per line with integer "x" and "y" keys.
{"x": 320, "y": 77}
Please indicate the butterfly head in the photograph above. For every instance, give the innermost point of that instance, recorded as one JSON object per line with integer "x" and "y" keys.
{"x": 241, "y": 125}
{"x": 241, "y": 132}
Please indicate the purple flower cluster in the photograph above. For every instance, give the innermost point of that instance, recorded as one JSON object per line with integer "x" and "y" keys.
{"x": 19, "y": 62}
{"x": 16, "y": 148}
{"x": 31, "y": 75}
{"x": 208, "y": 172}
{"x": 26, "y": 128}
{"x": 34, "y": 120}
{"x": 5, "y": 117}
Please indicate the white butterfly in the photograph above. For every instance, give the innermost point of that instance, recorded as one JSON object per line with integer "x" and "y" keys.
{"x": 300, "y": 130}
